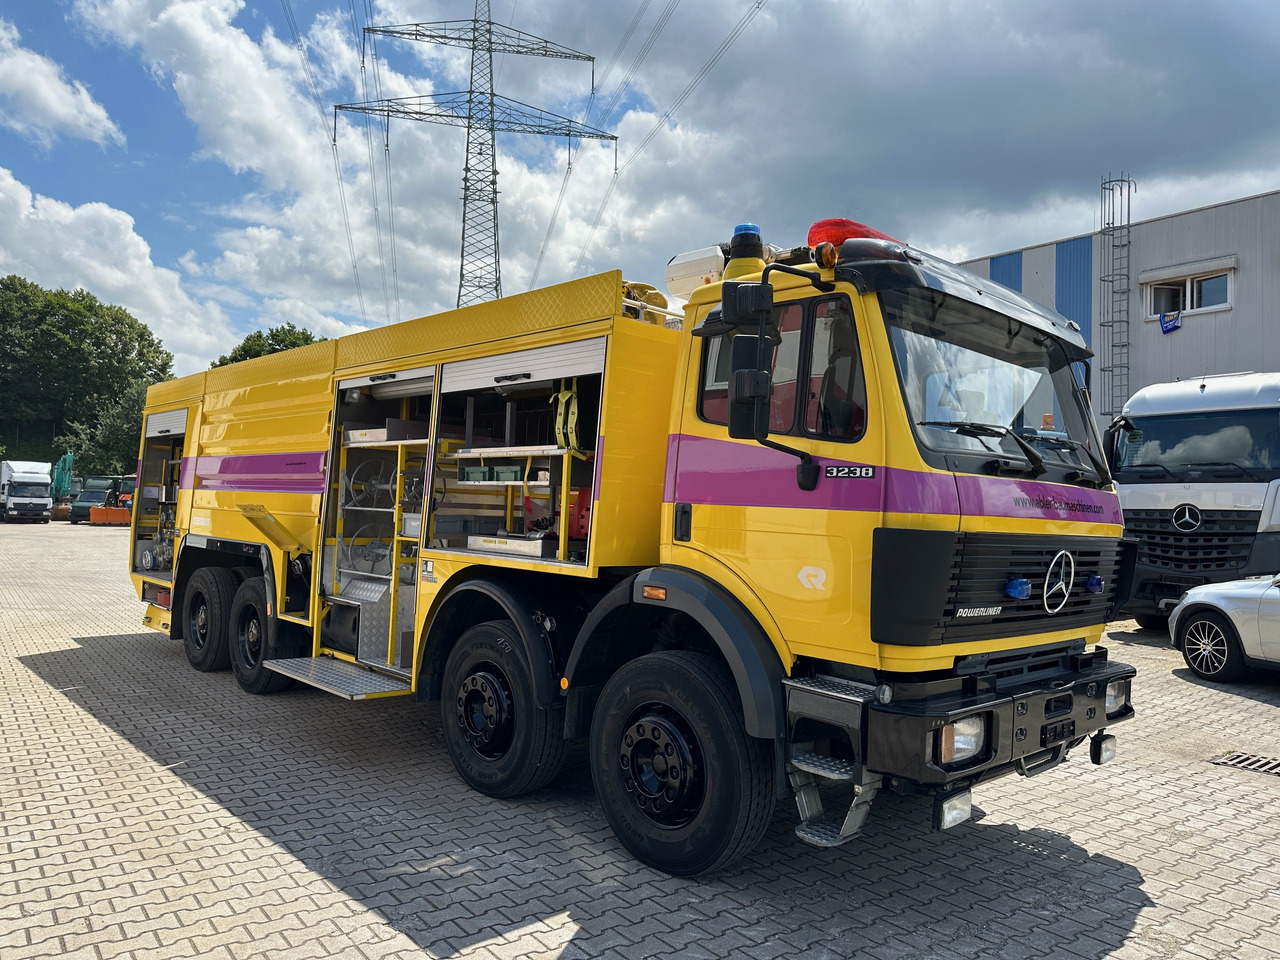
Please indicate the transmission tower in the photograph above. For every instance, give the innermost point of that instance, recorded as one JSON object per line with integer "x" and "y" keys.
{"x": 483, "y": 113}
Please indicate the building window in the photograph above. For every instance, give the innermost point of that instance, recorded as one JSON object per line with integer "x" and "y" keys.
{"x": 1189, "y": 293}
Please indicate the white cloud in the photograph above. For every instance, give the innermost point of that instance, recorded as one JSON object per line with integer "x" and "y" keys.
{"x": 38, "y": 102}
{"x": 96, "y": 247}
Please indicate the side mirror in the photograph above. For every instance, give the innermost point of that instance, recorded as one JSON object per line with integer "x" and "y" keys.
{"x": 749, "y": 390}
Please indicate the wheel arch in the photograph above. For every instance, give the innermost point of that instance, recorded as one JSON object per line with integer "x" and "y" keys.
{"x": 481, "y": 598}
{"x": 235, "y": 555}
{"x": 613, "y": 635}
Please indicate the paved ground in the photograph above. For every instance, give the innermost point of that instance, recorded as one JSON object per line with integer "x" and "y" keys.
{"x": 150, "y": 811}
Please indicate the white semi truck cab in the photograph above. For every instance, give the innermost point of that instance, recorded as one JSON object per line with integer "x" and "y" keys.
{"x": 1197, "y": 463}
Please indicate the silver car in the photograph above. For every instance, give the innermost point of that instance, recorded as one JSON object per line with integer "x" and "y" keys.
{"x": 1225, "y": 630}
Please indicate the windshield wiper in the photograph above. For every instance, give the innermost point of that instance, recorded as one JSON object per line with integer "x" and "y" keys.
{"x": 1244, "y": 471}
{"x": 1139, "y": 467}
{"x": 972, "y": 429}
{"x": 1098, "y": 465}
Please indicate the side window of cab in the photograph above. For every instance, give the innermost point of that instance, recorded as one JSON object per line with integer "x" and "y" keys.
{"x": 818, "y": 384}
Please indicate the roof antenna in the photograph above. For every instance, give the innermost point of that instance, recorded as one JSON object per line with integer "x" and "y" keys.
{"x": 1202, "y": 376}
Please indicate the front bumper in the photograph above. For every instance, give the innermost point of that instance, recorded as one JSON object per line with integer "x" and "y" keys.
{"x": 1156, "y": 589}
{"x": 1030, "y": 726}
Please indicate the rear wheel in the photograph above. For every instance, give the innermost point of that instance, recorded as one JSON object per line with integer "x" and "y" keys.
{"x": 684, "y": 787}
{"x": 249, "y": 646}
{"x": 1153, "y": 621}
{"x": 206, "y": 617}
{"x": 501, "y": 742}
{"x": 1210, "y": 646}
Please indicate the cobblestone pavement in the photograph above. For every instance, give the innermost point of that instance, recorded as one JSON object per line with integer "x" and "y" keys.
{"x": 151, "y": 811}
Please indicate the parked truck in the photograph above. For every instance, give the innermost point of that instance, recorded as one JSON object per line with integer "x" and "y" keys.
{"x": 25, "y": 491}
{"x": 843, "y": 520}
{"x": 1198, "y": 467}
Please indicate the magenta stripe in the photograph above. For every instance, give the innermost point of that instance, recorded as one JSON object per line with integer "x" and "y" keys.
{"x": 701, "y": 470}
{"x": 258, "y": 473}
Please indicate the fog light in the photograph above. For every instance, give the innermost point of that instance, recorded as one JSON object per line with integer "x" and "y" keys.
{"x": 1102, "y": 748}
{"x": 1117, "y": 695}
{"x": 963, "y": 739}
{"x": 952, "y": 810}
{"x": 1018, "y": 588}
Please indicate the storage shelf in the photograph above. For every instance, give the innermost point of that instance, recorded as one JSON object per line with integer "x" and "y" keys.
{"x": 477, "y": 453}
{"x": 386, "y": 444}
{"x": 544, "y": 484}
{"x": 365, "y": 573}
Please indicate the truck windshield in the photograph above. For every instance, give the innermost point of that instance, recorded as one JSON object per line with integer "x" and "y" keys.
{"x": 29, "y": 490}
{"x": 1217, "y": 445}
{"x": 978, "y": 382}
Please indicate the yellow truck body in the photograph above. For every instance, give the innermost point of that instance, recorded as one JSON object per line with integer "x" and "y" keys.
{"x": 545, "y": 514}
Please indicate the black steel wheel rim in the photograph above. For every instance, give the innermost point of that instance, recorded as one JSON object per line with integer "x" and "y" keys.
{"x": 661, "y": 765}
{"x": 198, "y": 622}
{"x": 483, "y": 711}
{"x": 249, "y": 635}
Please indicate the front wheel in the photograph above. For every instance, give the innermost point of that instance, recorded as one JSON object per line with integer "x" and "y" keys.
{"x": 684, "y": 787}
{"x": 1210, "y": 646}
{"x": 248, "y": 640}
{"x": 500, "y": 740}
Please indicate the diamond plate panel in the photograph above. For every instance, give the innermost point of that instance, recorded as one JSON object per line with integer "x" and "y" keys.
{"x": 339, "y": 677}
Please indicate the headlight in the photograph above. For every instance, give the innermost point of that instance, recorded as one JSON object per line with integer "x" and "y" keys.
{"x": 964, "y": 739}
{"x": 1117, "y": 695}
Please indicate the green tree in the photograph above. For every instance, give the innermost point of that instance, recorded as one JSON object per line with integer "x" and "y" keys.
{"x": 109, "y": 443}
{"x": 259, "y": 344}
{"x": 64, "y": 356}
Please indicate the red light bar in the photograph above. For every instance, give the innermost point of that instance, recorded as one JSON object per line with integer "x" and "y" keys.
{"x": 839, "y": 230}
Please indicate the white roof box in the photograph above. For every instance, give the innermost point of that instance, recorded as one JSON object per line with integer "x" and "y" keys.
{"x": 688, "y": 271}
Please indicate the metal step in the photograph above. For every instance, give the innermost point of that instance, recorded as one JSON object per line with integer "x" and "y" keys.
{"x": 829, "y": 768}
{"x": 836, "y": 687}
{"x": 349, "y": 680}
{"x": 823, "y": 832}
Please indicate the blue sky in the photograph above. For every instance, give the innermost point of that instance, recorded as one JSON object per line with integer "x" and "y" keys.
{"x": 169, "y": 156}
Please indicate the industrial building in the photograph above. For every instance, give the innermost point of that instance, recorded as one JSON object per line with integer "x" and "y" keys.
{"x": 1174, "y": 297}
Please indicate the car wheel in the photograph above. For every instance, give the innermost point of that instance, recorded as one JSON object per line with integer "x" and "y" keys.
{"x": 1153, "y": 621}
{"x": 1210, "y": 646}
{"x": 249, "y": 640}
{"x": 683, "y": 785}
{"x": 206, "y": 618}
{"x": 501, "y": 742}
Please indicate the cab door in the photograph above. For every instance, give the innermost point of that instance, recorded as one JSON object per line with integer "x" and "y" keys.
{"x": 805, "y": 554}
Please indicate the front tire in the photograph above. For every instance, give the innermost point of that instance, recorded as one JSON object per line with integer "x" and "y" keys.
{"x": 248, "y": 641}
{"x": 1210, "y": 646}
{"x": 684, "y": 787}
{"x": 206, "y": 618}
{"x": 501, "y": 741}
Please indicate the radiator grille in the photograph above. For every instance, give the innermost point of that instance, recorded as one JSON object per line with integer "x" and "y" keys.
{"x": 1221, "y": 544}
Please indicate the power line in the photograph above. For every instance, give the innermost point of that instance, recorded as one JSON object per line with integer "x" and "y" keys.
{"x": 483, "y": 113}
{"x": 586, "y": 114}
{"x": 742, "y": 24}
{"x": 337, "y": 165}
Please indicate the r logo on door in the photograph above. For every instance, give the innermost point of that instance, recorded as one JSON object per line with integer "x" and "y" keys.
{"x": 813, "y": 578}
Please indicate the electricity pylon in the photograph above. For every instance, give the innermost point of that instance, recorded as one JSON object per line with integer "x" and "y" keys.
{"x": 483, "y": 113}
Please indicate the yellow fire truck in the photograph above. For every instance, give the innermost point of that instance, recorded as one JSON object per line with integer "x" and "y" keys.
{"x": 844, "y": 519}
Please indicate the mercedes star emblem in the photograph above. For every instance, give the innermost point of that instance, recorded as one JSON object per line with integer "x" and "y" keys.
{"x": 1058, "y": 582}
{"x": 1187, "y": 518}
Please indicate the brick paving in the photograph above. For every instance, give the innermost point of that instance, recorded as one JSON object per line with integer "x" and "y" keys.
{"x": 148, "y": 811}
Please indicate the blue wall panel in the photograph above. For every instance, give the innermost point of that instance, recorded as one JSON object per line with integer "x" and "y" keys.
{"x": 1007, "y": 269}
{"x": 1073, "y": 272}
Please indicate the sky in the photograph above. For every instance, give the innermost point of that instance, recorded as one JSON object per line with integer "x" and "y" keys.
{"x": 178, "y": 157}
